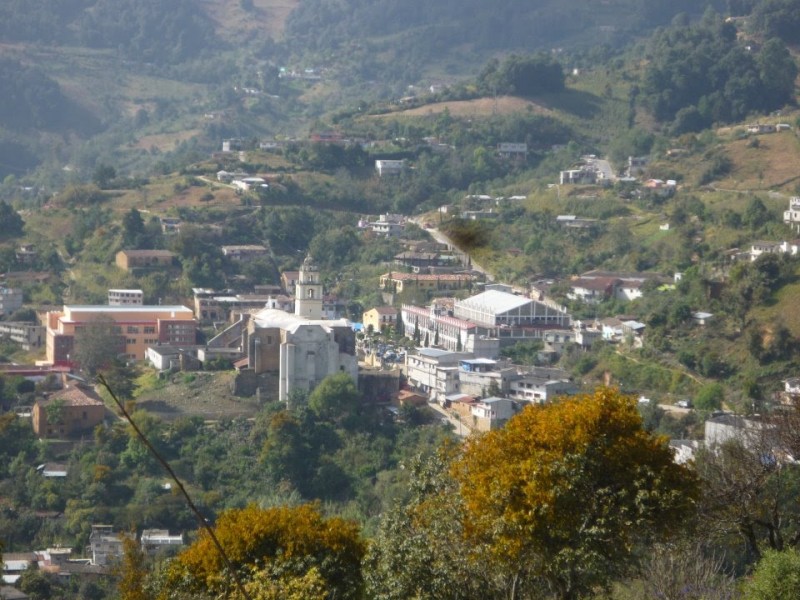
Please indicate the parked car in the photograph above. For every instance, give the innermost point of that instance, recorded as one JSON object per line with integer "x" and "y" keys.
{"x": 685, "y": 403}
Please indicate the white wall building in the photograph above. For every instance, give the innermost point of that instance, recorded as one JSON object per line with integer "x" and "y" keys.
{"x": 247, "y": 184}
{"x": 153, "y": 540}
{"x": 119, "y": 297}
{"x": 245, "y": 252}
{"x": 500, "y": 309}
{"x": 10, "y": 300}
{"x": 541, "y": 385}
{"x": 492, "y": 413}
{"x": 792, "y": 216}
{"x": 434, "y": 371}
{"x": 389, "y": 167}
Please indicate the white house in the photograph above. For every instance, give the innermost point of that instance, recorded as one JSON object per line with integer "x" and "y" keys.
{"x": 153, "y": 540}
{"x": 247, "y": 184}
{"x": 492, "y": 413}
{"x": 245, "y": 252}
{"x": 752, "y": 432}
{"x": 106, "y": 544}
{"x": 10, "y": 300}
{"x": 512, "y": 150}
{"x": 120, "y": 297}
{"x": 792, "y": 216}
{"x": 389, "y": 167}
{"x": 542, "y": 384}
{"x": 389, "y": 225}
{"x": 585, "y": 175}
{"x": 763, "y": 247}
{"x": 701, "y": 317}
{"x": 434, "y": 371}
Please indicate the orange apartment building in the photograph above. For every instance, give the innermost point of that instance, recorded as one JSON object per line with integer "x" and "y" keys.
{"x": 137, "y": 326}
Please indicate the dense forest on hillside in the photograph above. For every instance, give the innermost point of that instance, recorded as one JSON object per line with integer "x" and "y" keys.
{"x": 160, "y": 31}
{"x": 503, "y": 25}
{"x": 32, "y": 100}
{"x": 701, "y": 74}
{"x": 329, "y": 494}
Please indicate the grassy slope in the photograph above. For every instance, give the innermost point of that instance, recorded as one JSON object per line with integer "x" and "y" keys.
{"x": 268, "y": 17}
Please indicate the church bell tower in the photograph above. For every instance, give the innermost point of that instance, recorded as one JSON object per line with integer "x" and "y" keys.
{"x": 308, "y": 297}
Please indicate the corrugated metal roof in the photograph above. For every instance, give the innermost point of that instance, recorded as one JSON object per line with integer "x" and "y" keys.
{"x": 494, "y": 301}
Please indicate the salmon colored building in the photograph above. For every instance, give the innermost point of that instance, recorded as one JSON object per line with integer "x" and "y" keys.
{"x": 138, "y": 327}
{"x": 78, "y": 409}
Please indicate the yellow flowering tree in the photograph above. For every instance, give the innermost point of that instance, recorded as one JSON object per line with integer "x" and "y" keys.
{"x": 560, "y": 497}
{"x": 275, "y": 548}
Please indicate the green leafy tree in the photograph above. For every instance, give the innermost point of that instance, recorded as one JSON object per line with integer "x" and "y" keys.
{"x": 560, "y": 497}
{"x": 39, "y": 585}
{"x": 103, "y": 175}
{"x": 98, "y": 343}
{"x": 523, "y": 353}
{"x": 132, "y": 571}
{"x": 780, "y": 18}
{"x": 11, "y": 224}
{"x": 710, "y": 397}
{"x": 756, "y": 214}
{"x": 778, "y": 69}
{"x": 776, "y": 577}
{"x": 54, "y": 411}
{"x": 286, "y": 451}
{"x": 132, "y": 228}
{"x": 420, "y": 550}
{"x": 335, "y": 398}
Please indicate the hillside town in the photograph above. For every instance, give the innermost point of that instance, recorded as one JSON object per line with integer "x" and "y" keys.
{"x": 334, "y": 300}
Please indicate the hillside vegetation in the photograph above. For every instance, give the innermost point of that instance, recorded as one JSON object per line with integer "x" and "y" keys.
{"x": 328, "y": 495}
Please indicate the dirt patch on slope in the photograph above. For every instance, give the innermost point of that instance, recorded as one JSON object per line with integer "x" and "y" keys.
{"x": 206, "y": 395}
{"x": 479, "y": 107}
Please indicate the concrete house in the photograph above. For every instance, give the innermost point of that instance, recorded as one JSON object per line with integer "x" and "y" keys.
{"x": 121, "y": 297}
{"x": 434, "y": 371}
{"x": 380, "y": 317}
{"x": 389, "y": 167}
{"x": 792, "y": 216}
{"x": 492, "y": 413}
{"x": 106, "y": 545}
{"x": 246, "y": 252}
{"x": 10, "y": 300}
{"x": 128, "y": 260}
{"x": 79, "y": 410}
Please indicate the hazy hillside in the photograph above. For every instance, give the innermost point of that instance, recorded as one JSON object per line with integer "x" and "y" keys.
{"x": 140, "y": 82}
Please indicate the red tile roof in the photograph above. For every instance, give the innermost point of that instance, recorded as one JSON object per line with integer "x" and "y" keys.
{"x": 75, "y": 395}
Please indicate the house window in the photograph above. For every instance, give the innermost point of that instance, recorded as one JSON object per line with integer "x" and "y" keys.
{"x": 85, "y": 415}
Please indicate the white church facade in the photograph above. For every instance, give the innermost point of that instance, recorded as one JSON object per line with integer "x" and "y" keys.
{"x": 301, "y": 348}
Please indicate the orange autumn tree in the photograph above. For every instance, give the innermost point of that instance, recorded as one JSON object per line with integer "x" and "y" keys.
{"x": 288, "y": 546}
{"x": 561, "y": 496}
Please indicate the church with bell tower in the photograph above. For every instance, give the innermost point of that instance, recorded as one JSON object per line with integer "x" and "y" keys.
{"x": 297, "y": 351}
{"x": 308, "y": 293}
